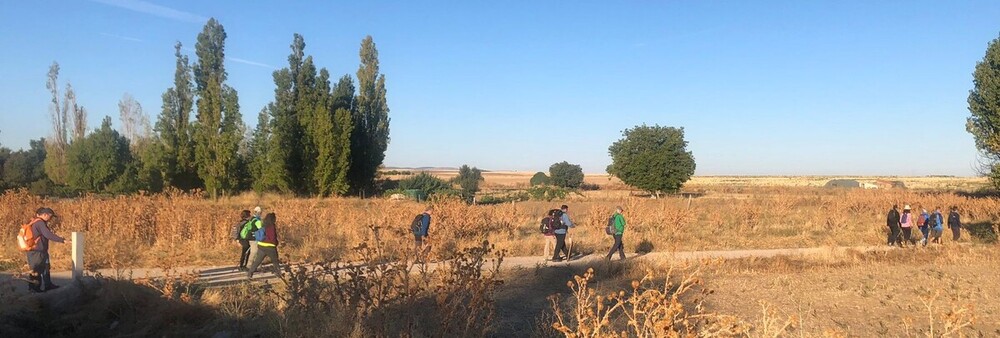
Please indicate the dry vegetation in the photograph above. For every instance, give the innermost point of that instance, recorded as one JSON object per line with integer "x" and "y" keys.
{"x": 901, "y": 293}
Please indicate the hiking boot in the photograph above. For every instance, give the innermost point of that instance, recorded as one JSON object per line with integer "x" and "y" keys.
{"x": 51, "y": 287}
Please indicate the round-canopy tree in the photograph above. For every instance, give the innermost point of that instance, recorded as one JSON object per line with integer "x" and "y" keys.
{"x": 652, "y": 158}
{"x": 566, "y": 175}
{"x": 984, "y": 105}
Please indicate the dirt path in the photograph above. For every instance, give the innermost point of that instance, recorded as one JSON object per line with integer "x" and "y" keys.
{"x": 225, "y": 275}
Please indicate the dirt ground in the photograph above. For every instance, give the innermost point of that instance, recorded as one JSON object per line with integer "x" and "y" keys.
{"x": 884, "y": 294}
{"x": 881, "y": 294}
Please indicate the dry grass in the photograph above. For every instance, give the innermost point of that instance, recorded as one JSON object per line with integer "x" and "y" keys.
{"x": 182, "y": 229}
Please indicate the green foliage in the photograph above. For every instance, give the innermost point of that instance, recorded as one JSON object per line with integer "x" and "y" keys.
{"x": 174, "y": 144}
{"x": 565, "y": 175}
{"x": 218, "y": 129}
{"x": 548, "y": 193}
{"x": 468, "y": 180}
{"x": 22, "y": 167}
{"x": 984, "y": 107}
{"x": 302, "y": 141}
{"x": 370, "y": 136}
{"x": 427, "y": 183}
{"x": 98, "y": 159}
{"x": 652, "y": 158}
{"x": 539, "y": 178}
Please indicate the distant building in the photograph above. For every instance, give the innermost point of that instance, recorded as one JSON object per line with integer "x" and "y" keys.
{"x": 887, "y": 184}
{"x": 843, "y": 184}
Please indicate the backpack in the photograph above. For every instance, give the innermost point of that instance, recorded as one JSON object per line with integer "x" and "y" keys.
{"x": 259, "y": 234}
{"x": 418, "y": 222}
{"x": 238, "y": 229}
{"x": 26, "y": 237}
{"x": 247, "y": 231}
{"x": 556, "y": 222}
{"x": 610, "y": 229}
{"x": 546, "y": 227}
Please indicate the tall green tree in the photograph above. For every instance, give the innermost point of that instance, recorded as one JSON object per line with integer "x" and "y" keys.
{"x": 984, "y": 107}
{"x": 652, "y": 158}
{"x": 173, "y": 130}
{"x": 307, "y": 124}
{"x": 566, "y": 175}
{"x": 468, "y": 180}
{"x": 98, "y": 160}
{"x": 218, "y": 128}
{"x": 370, "y": 137}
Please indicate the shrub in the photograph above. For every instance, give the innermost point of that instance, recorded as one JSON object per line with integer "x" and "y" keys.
{"x": 539, "y": 178}
{"x": 425, "y": 182}
{"x": 644, "y": 246}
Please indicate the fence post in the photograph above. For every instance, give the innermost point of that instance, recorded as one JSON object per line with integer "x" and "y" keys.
{"x": 77, "y": 238}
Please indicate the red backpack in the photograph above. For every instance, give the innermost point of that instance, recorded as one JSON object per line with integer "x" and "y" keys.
{"x": 27, "y": 239}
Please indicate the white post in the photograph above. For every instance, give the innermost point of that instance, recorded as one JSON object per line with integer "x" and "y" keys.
{"x": 77, "y": 238}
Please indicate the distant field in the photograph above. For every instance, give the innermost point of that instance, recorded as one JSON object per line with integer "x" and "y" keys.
{"x": 519, "y": 179}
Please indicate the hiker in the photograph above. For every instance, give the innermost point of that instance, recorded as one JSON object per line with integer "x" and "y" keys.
{"x": 922, "y": 224}
{"x": 935, "y": 223}
{"x": 267, "y": 242}
{"x": 618, "y": 222}
{"x": 955, "y": 223}
{"x": 892, "y": 221}
{"x": 906, "y": 224}
{"x": 250, "y": 231}
{"x": 34, "y": 240}
{"x": 240, "y": 234}
{"x": 547, "y": 227}
{"x": 560, "y": 233}
{"x": 420, "y": 228}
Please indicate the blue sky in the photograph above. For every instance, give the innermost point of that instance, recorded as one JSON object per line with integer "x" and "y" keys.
{"x": 761, "y": 88}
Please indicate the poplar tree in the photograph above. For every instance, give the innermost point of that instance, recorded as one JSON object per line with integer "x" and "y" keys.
{"x": 218, "y": 129}
{"x": 175, "y": 145}
{"x": 370, "y": 136}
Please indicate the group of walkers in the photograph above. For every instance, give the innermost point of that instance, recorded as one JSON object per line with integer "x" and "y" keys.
{"x": 258, "y": 238}
{"x": 931, "y": 225}
{"x": 555, "y": 227}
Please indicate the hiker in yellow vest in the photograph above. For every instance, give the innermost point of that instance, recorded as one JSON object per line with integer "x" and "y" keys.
{"x": 267, "y": 245}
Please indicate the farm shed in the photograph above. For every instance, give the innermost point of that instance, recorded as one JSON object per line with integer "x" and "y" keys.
{"x": 843, "y": 184}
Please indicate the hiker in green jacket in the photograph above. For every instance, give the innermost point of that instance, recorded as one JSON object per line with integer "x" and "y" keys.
{"x": 619, "y": 230}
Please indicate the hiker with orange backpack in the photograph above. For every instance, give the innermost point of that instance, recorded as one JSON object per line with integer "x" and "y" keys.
{"x": 33, "y": 240}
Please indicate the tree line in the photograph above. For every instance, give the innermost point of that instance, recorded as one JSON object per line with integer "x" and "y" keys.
{"x": 317, "y": 137}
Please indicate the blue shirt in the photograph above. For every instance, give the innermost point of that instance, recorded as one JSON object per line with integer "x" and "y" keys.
{"x": 425, "y": 225}
{"x": 566, "y": 224}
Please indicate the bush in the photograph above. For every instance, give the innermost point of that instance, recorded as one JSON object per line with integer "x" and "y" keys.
{"x": 589, "y": 187}
{"x": 644, "y": 247}
{"x": 539, "y": 178}
{"x": 547, "y": 193}
{"x": 425, "y": 182}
